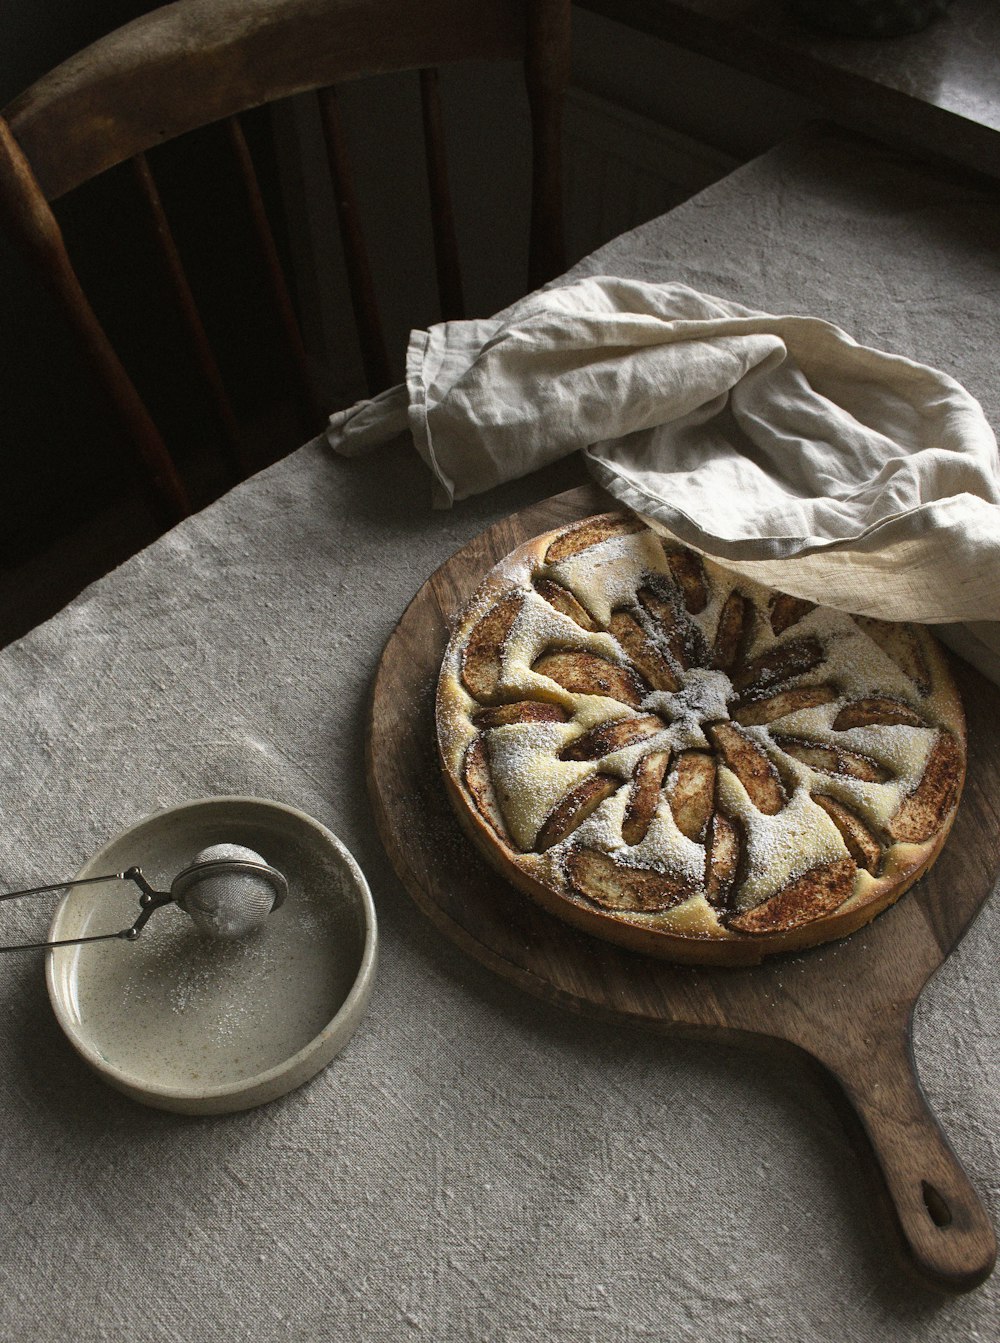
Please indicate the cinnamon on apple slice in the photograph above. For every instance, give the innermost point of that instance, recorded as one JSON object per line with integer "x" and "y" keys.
{"x": 644, "y": 796}
{"x": 833, "y": 760}
{"x": 648, "y": 661}
{"x": 751, "y": 766}
{"x": 614, "y": 886}
{"x": 901, "y": 644}
{"x": 479, "y": 782}
{"x": 483, "y": 650}
{"x": 733, "y": 632}
{"x": 862, "y": 845}
{"x": 588, "y": 674}
{"x": 876, "y": 711}
{"x": 779, "y": 664}
{"x": 667, "y": 617}
{"x": 564, "y": 602}
{"x": 786, "y": 611}
{"x": 762, "y": 711}
{"x": 689, "y": 574}
{"x": 722, "y": 859}
{"x": 522, "y": 711}
{"x": 816, "y": 893}
{"x": 691, "y": 790}
{"x": 613, "y": 736}
{"x": 925, "y": 810}
{"x": 570, "y": 813}
{"x": 592, "y": 532}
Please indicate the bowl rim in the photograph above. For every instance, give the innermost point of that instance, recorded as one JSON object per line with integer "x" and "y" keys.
{"x": 298, "y": 1067}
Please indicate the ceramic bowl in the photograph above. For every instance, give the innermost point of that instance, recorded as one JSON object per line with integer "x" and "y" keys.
{"x": 190, "y": 1023}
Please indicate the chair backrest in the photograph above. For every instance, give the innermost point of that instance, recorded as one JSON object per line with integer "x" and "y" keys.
{"x": 197, "y": 62}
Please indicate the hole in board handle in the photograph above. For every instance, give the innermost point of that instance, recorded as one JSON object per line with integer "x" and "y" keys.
{"x": 937, "y": 1208}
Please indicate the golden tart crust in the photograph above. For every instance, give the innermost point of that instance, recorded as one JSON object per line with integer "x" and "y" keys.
{"x": 681, "y": 761}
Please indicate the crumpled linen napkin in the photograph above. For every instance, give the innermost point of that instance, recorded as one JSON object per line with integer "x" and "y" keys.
{"x": 775, "y": 444}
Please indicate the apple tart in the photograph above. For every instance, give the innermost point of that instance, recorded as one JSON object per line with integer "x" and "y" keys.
{"x": 682, "y": 761}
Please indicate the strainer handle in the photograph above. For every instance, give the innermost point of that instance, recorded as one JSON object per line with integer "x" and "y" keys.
{"x": 149, "y": 901}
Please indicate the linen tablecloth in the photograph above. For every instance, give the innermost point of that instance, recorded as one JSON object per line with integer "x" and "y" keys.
{"x": 476, "y": 1164}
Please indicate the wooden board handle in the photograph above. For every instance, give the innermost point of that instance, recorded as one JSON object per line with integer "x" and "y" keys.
{"x": 946, "y": 1231}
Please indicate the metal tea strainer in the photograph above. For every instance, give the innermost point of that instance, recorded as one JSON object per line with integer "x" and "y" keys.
{"x": 228, "y": 891}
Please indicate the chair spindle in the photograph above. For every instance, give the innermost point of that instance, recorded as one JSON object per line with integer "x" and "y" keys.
{"x": 27, "y": 214}
{"x": 180, "y": 289}
{"x": 449, "y": 275}
{"x": 547, "y": 71}
{"x": 313, "y": 415}
{"x": 359, "y": 274}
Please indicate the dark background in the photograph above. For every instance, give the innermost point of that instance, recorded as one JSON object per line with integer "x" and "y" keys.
{"x": 63, "y": 458}
{"x": 70, "y": 507}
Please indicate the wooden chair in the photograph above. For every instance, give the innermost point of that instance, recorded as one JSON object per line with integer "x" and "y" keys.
{"x": 198, "y": 62}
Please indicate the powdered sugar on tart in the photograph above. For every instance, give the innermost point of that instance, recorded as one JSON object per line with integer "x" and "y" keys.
{"x": 686, "y": 762}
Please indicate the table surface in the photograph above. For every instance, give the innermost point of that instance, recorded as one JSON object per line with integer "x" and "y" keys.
{"x": 476, "y": 1164}
{"x": 938, "y": 89}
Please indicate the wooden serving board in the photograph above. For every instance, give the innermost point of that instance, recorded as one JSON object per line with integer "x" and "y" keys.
{"x": 847, "y": 1005}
